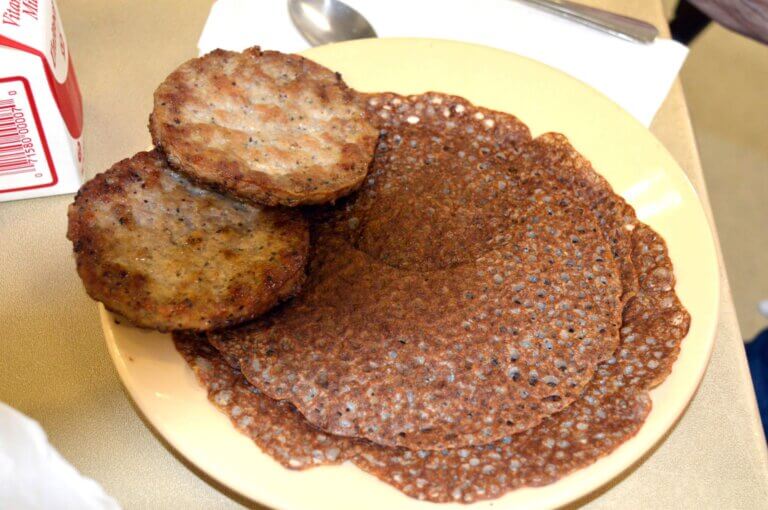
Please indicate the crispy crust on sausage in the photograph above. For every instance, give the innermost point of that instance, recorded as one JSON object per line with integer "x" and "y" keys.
{"x": 170, "y": 255}
{"x": 268, "y": 127}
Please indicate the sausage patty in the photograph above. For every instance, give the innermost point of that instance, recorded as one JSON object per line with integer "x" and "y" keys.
{"x": 266, "y": 126}
{"x": 170, "y": 255}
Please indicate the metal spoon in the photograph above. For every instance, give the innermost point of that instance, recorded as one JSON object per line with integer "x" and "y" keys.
{"x": 328, "y": 21}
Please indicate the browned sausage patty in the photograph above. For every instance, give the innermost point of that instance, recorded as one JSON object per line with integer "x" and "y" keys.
{"x": 170, "y": 255}
{"x": 269, "y": 127}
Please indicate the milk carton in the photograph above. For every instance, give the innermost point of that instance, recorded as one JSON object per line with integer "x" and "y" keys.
{"x": 41, "y": 113}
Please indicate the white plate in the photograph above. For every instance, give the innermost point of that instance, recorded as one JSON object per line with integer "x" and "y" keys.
{"x": 622, "y": 150}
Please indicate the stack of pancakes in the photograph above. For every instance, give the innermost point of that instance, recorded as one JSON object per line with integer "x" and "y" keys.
{"x": 482, "y": 313}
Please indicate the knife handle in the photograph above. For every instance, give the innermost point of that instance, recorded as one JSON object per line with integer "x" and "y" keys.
{"x": 624, "y": 27}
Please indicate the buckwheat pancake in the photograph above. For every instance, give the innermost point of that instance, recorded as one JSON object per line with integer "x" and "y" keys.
{"x": 613, "y": 404}
{"x": 590, "y": 428}
{"x": 647, "y": 275}
{"x": 266, "y": 126}
{"x": 276, "y": 426}
{"x": 449, "y": 302}
{"x": 550, "y": 162}
{"x": 168, "y": 254}
{"x": 610, "y": 411}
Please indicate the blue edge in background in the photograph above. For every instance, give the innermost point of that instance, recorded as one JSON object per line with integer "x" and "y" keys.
{"x": 757, "y": 356}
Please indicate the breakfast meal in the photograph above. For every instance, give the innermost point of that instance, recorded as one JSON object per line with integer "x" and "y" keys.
{"x": 420, "y": 356}
{"x": 413, "y": 284}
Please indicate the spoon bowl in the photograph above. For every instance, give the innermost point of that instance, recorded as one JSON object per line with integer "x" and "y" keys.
{"x": 328, "y": 21}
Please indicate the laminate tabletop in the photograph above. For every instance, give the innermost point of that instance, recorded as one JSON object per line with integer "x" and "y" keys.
{"x": 54, "y": 364}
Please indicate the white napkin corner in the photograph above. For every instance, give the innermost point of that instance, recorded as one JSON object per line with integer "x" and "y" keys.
{"x": 635, "y": 76}
{"x": 34, "y": 476}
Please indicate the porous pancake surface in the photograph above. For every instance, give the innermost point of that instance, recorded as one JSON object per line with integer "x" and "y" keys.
{"x": 451, "y": 301}
{"x": 611, "y": 409}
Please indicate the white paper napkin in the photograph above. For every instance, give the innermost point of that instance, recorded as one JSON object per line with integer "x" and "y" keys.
{"x": 33, "y": 475}
{"x": 635, "y": 76}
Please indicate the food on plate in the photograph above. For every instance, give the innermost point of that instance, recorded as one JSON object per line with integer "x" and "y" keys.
{"x": 266, "y": 126}
{"x": 479, "y": 311}
{"x": 610, "y": 411}
{"x": 450, "y": 302}
{"x": 169, "y": 255}
{"x": 405, "y": 220}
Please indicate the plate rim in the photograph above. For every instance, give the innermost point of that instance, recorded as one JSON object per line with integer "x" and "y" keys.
{"x": 627, "y": 460}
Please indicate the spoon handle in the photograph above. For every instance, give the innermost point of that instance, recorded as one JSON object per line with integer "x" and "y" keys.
{"x": 617, "y": 25}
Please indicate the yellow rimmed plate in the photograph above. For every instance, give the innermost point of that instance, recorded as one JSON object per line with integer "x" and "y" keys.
{"x": 621, "y": 149}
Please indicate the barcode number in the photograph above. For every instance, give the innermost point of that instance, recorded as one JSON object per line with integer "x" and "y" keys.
{"x": 17, "y": 150}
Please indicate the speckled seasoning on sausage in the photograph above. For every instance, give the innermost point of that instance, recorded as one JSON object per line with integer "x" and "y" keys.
{"x": 168, "y": 254}
{"x": 266, "y": 126}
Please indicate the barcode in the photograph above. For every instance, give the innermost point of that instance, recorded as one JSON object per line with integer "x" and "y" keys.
{"x": 16, "y": 146}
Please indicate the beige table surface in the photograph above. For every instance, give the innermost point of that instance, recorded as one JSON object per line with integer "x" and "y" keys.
{"x": 54, "y": 364}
